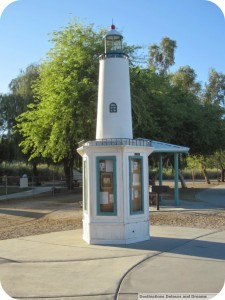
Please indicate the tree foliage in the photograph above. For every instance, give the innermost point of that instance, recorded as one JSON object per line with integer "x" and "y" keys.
{"x": 66, "y": 91}
{"x": 22, "y": 85}
{"x": 175, "y": 114}
{"x": 215, "y": 88}
{"x": 21, "y": 94}
{"x": 185, "y": 78}
{"x": 7, "y": 152}
{"x": 11, "y": 106}
{"x": 162, "y": 56}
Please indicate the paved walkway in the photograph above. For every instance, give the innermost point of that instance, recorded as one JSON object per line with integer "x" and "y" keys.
{"x": 211, "y": 198}
{"x": 31, "y": 193}
{"x": 62, "y": 266}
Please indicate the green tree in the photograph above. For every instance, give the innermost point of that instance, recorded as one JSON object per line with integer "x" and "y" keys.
{"x": 6, "y": 149}
{"x": 215, "y": 88}
{"x": 162, "y": 56}
{"x": 15, "y": 103}
{"x": 173, "y": 112}
{"x": 217, "y": 160}
{"x": 21, "y": 86}
{"x": 21, "y": 94}
{"x": 194, "y": 163}
{"x": 152, "y": 105}
{"x": 66, "y": 91}
{"x": 10, "y": 108}
{"x": 185, "y": 78}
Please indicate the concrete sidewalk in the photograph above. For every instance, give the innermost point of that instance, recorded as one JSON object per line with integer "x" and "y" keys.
{"x": 31, "y": 193}
{"x": 62, "y": 266}
{"x": 211, "y": 198}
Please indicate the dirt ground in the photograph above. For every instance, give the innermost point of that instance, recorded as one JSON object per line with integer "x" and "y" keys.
{"x": 63, "y": 211}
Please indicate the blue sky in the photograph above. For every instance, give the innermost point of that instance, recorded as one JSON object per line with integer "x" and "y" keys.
{"x": 198, "y": 26}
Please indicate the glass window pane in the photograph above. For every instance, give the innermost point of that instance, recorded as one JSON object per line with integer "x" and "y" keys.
{"x": 136, "y": 185}
{"x": 106, "y": 185}
{"x": 113, "y": 107}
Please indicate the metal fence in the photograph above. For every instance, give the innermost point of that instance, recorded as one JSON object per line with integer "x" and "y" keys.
{"x": 118, "y": 142}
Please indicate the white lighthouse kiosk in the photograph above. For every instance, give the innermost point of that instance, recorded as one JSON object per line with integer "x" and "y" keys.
{"x": 115, "y": 166}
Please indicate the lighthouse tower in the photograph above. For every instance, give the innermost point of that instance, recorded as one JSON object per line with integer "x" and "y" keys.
{"x": 114, "y": 103}
{"x": 115, "y": 166}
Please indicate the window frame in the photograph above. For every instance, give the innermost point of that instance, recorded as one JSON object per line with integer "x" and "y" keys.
{"x": 98, "y": 181}
{"x": 131, "y": 158}
{"x": 113, "y": 107}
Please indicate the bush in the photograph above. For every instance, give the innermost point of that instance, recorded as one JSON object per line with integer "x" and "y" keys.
{"x": 20, "y": 168}
{"x": 168, "y": 174}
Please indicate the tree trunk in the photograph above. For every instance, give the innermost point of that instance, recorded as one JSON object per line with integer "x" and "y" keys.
{"x": 222, "y": 175}
{"x": 36, "y": 174}
{"x": 154, "y": 178}
{"x": 182, "y": 181}
{"x": 193, "y": 175}
{"x": 205, "y": 174}
{"x": 68, "y": 171}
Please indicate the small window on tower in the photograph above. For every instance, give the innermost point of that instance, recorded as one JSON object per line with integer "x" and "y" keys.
{"x": 113, "y": 108}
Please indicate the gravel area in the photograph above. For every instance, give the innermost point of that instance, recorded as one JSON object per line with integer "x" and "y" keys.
{"x": 212, "y": 219}
{"x": 47, "y": 213}
{"x": 197, "y": 218}
{"x": 32, "y": 216}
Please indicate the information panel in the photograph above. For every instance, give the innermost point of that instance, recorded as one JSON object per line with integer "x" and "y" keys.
{"x": 136, "y": 193}
{"x": 106, "y": 185}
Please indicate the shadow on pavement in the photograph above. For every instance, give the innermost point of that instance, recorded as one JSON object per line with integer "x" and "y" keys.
{"x": 189, "y": 247}
{"x": 21, "y": 213}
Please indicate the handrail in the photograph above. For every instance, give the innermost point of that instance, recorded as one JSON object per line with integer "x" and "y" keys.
{"x": 117, "y": 142}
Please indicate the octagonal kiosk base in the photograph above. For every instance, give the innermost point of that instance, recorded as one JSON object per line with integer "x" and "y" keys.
{"x": 115, "y": 192}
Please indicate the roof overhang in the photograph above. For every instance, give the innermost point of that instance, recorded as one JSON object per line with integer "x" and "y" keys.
{"x": 160, "y": 147}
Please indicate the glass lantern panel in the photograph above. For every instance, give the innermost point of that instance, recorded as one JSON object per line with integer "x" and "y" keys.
{"x": 114, "y": 45}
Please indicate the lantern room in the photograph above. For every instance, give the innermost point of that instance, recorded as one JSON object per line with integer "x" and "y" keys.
{"x": 113, "y": 41}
